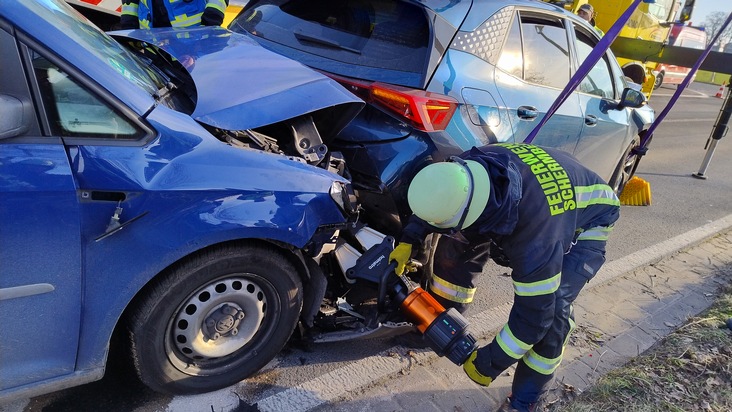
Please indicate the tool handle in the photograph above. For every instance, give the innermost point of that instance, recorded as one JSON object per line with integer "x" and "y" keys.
{"x": 384, "y": 286}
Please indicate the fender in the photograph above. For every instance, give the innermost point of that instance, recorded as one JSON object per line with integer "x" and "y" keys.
{"x": 179, "y": 201}
{"x": 117, "y": 268}
{"x": 643, "y": 117}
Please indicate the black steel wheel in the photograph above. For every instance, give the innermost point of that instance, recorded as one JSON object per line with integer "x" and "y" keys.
{"x": 215, "y": 319}
{"x": 659, "y": 81}
{"x": 625, "y": 169}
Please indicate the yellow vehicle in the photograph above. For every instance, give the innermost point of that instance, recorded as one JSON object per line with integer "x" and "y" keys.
{"x": 649, "y": 21}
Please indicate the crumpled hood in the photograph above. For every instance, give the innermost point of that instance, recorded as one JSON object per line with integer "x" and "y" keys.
{"x": 241, "y": 85}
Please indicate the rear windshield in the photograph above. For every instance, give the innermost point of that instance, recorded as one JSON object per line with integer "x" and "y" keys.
{"x": 348, "y": 37}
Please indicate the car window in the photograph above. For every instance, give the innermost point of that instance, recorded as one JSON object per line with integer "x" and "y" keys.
{"x": 545, "y": 47}
{"x": 74, "y": 111}
{"x": 381, "y": 34}
{"x": 108, "y": 51}
{"x": 660, "y": 9}
{"x": 599, "y": 80}
{"x": 691, "y": 43}
{"x": 512, "y": 59}
{"x": 619, "y": 79}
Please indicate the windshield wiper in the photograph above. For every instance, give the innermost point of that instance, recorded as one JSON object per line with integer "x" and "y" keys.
{"x": 165, "y": 91}
{"x": 325, "y": 42}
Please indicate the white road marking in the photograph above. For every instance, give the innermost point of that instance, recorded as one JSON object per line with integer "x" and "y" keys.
{"x": 701, "y": 95}
{"x": 688, "y": 120}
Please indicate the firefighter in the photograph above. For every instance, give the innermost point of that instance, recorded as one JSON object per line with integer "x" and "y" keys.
{"x": 587, "y": 12}
{"x": 145, "y": 14}
{"x": 535, "y": 210}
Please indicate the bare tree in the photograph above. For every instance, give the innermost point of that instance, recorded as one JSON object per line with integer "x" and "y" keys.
{"x": 713, "y": 24}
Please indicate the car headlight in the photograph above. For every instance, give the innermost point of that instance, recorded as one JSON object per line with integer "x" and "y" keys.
{"x": 342, "y": 193}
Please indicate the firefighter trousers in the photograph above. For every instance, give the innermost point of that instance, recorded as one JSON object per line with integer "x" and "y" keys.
{"x": 457, "y": 263}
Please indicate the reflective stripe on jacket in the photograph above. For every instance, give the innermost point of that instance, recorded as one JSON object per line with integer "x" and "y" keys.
{"x": 180, "y": 13}
{"x": 542, "y": 200}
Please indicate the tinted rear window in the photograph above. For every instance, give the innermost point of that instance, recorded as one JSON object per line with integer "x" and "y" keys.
{"x": 380, "y": 34}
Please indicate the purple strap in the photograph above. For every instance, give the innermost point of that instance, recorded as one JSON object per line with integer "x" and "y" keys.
{"x": 595, "y": 55}
{"x": 680, "y": 88}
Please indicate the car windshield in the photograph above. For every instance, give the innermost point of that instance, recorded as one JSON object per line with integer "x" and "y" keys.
{"x": 357, "y": 34}
{"x": 108, "y": 51}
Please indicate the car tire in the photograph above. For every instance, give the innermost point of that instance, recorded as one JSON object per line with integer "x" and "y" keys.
{"x": 214, "y": 319}
{"x": 625, "y": 170}
{"x": 659, "y": 81}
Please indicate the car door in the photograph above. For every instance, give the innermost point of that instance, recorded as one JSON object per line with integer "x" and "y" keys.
{"x": 533, "y": 68}
{"x": 606, "y": 130}
{"x": 40, "y": 246}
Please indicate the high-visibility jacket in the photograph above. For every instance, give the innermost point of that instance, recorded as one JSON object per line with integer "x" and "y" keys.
{"x": 535, "y": 219}
{"x": 180, "y": 13}
{"x": 541, "y": 202}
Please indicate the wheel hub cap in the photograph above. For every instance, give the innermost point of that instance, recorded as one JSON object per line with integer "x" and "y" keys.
{"x": 218, "y": 320}
{"x": 223, "y": 322}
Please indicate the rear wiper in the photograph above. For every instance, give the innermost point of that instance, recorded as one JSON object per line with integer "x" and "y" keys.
{"x": 325, "y": 42}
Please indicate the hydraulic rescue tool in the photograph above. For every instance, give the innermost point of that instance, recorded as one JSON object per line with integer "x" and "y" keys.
{"x": 445, "y": 329}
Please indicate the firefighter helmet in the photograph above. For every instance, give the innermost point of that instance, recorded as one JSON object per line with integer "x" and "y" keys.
{"x": 447, "y": 194}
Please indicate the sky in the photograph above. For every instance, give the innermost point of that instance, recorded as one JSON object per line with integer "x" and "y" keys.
{"x": 703, "y": 7}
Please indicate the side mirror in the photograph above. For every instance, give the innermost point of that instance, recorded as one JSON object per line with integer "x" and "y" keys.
{"x": 14, "y": 121}
{"x": 631, "y": 98}
{"x": 686, "y": 11}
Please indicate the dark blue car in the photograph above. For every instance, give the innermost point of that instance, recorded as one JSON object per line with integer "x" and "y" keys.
{"x": 143, "y": 195}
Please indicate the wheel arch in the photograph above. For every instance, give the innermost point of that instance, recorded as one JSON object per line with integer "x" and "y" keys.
{"x": 120, "y": 267}
{"x": 292, "y": 254}
{"x": 118, "y": 334}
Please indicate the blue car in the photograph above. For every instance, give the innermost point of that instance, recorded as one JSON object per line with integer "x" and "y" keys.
{"x": 143, "y": 195}
{"x": 442, "y": 76}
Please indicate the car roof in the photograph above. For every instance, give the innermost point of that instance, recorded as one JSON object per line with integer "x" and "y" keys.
{"x": 488, "y": 8}
{"x": 453, "y": 12}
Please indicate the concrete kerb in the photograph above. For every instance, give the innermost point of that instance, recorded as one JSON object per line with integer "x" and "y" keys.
{"x": 690, "y": 296}
{"x": 365, "y": 372}
{"x": 658, "y": 251}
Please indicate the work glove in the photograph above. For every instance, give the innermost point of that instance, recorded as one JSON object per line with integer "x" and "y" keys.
{"x": 498, "y": 255}
{"x": 212, "y": 17}
{"x": 472, "y": 372}
{"x": 401, "y": 255}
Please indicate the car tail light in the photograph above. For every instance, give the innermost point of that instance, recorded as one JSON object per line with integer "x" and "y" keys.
{"x": 425, "y": 111}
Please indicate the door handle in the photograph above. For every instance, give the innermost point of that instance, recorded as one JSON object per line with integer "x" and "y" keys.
{"x": 590, "y": 120}
{"x": 527, "y": 112}
{"x": 103, "y": 196}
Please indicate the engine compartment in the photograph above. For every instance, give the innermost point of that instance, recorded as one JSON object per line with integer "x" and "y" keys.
{"x": 338, "y": 306}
